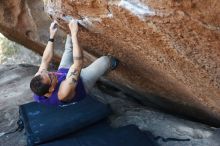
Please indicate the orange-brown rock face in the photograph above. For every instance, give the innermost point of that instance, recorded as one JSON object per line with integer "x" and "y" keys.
{"x": 169, "y": 50}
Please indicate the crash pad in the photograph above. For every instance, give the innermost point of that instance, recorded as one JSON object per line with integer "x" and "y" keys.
{"x": 44, "y": 123}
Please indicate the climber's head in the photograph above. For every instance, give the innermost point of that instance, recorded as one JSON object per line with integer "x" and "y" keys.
{"x": 43, "y": 83}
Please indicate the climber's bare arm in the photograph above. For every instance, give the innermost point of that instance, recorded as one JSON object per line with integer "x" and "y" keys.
{"x": 49, "y": 50}
{"x": 67, "y": 88}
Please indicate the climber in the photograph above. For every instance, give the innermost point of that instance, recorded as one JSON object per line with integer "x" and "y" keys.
{"x": 71, "y": 82}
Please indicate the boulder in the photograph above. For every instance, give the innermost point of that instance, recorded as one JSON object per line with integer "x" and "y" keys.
{"x": 169, "y": 50}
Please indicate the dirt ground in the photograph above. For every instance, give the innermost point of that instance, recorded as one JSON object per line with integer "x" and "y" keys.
{"x": 14, "y": 90}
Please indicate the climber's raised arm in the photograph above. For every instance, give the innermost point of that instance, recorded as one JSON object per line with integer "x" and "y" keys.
{"x": 77, "y": 51}
{"x": 49, "y": 50}
{"x": 67, "y": 87}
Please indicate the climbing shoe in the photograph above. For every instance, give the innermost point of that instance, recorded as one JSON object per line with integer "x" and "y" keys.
{"x": 114, "y": 62}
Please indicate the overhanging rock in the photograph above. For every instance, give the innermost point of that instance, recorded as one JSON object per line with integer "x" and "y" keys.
{"x": 169, "y": 50}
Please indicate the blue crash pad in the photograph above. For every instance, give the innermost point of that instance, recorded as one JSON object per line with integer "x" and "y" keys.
{"x": 44, "y": 123}
{"x": 102, "y": 134}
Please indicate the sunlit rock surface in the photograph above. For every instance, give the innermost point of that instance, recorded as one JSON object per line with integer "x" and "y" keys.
{"x": 169, "y": 50}
{"x": 14, "y": 90}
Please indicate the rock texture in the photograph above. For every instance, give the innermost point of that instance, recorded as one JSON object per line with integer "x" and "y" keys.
{"x": 169, "y": 50}
{"x": 25, "y": 22}
{"x": 14, "y": 90}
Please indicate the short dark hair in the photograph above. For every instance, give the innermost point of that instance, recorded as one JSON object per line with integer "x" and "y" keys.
{"x": 38, "y": 87}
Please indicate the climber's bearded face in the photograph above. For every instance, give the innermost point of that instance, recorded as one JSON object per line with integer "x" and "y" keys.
{"x": 49, "y": 78}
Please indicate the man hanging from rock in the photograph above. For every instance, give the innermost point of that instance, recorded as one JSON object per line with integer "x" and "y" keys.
{"x": 71, "y": 82}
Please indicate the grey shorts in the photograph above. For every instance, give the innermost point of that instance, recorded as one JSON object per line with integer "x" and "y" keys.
{"x": 89, "y": 74}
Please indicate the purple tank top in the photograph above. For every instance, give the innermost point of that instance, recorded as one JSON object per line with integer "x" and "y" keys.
{"x": 53, "y": 99}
